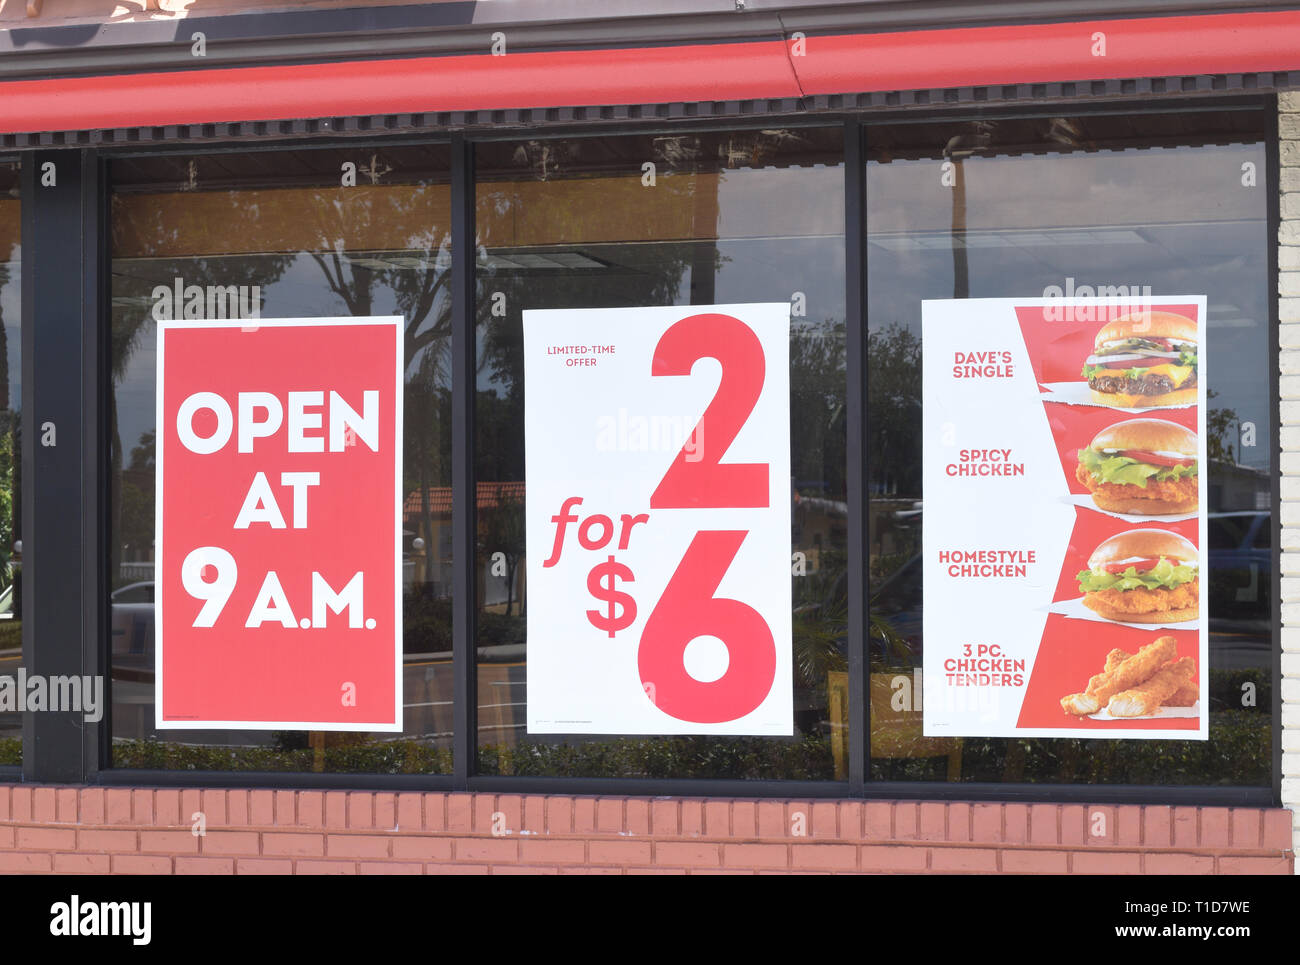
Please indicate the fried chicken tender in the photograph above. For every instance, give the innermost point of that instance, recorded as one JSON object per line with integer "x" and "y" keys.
{"x": 1147, "y": 698}
{"x": 1125, "y": 672}
{"x": 1186, "y": 696}
{"x": 1143, "y": 600}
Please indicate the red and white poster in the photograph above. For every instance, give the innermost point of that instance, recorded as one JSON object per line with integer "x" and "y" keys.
{"x": 1065, "y": 518}
{"x": 658, "y": 520}
{"x": 278, "y": 527}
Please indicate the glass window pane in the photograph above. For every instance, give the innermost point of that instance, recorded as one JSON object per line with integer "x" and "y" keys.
{"x": 281, "y": 225}
{"x": 11, "y": 630}
{"x": 746, "y": 216}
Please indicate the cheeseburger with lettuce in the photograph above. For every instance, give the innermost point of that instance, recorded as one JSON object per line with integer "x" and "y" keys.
{"x": 1142, "y": 466}
{"x": 1143, "y": 576}
{"x": 1144, "y": 359}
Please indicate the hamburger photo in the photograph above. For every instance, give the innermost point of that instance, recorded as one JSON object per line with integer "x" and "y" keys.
{"x": 1142, "y": 466}
{"x": 1143, "y": 576}
{"x": 1144, "y": 359}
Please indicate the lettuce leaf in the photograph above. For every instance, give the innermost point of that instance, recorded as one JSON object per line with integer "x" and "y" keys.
{"x": 1124, "y": 470}
{"x": 1164, "y": 574}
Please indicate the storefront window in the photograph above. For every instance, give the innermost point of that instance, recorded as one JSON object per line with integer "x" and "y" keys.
{"x": 285, "y": 234}
{"x": 636, "y": 222}
{"x": 1142, "y": 207}
{"x": 11, "y": 635}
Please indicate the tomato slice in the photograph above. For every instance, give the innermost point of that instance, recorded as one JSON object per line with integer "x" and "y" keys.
{"x": 1153, "y": 459}
{"x": 1141, "y": 566}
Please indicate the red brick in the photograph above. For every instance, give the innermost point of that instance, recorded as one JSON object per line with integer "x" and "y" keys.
{"x": 512, "y": 807}
{"x": 435, "y": 812}
{"x": 1245, "y": 827}
{"x": 1105, "y": 863}
{"x": 1157, "y": 830}
{"x": 237, "y": 808}
{"x": 692, "y": 818}
{"x": 1130, "y": 825}
{"x": 553, "y": 852}
{"x": 391, "y": 868}
{"x": 92, "y": 805}
{"x": 717, "y": 819}
{"x": 534, "y": 819}
{"x": 619, "y": 852}
{"x": 723, "y": 871}
{"x": 583, "y": 870}
{"x": 46, "y": 839}
{"x": 1102, "y": 819}
{"x": 959, "y": 820}
{"x": 460, "y": 815}
{"x": 121, "y": 840}
{"x": 1034, "y": 862}
{"x": 418, "y": 847}
{"x": 825, "y": 820}
{"x": 933, "y": 819}
{"x": 410, "y": 812}
{"x": 1277, "y": 829}
{"x": 336, "y": 809}
{"x": 1278, "y": 865}
{"x": 771, "y": 820}
{"x": 4, "y": 801}
{"x": 484, "y": 809}
{"x": 987, "y": 822}
{"x": 755, "y": 856}
{"x": 385, "y": 811}
{"x": 963, "y": 859}
{"x": 493, "y": 851}
{"x": 142, "y": 805}
{"x": 169, "y": 842}
{"x": 878, "y": 821}
{"x": 1074, "y": 824}
{"x": 20, "y": 804}
{"x": 695, "y": 854}
{"x": 850, "y": 820}
{"x": 511, "y": 869}
{"x": 457, "y": 869}
{"x": 44, "y": 805}
{"x": 638, "y": 816}
{"x": 81, "y": 864}
{"x": 744, "y": 819}
{"x": 656, "y": 871}
{"x": 25, "y": 862}
{"x": 7, "y": 837}
{"x": 824, "y": 856}
{"x": 261, "y": 809}
{"x": 906, "y": 820}
{"x": 231, "y": 842}
{"x": 205, "y": 866}
{"x": 361, "y": 809}
{"x": 292, "y": 843}
{"x": 1042, "y": 824}
{"x": 214, "y": 807}
{"x": 167, "y": 808}
{"x": 1178, "y": 864}
{"x": 117, "y": 805}
{"x": 885, "y": 857}
{"x": 263, "y": 866}
{"x": 357, "y": 845}
{"x": 609, "y": 815}
{"x": 65, "y": 805}
{"x": 584, "y": 815}
{"x": 1016, "y": 823}
{"x": 192, "y": 801}
{"x": 311, "y": 809}
{"x": 1215, "y": 828}
{"x": 140, "y": 864}
{"x": 798, "y": 819}
{"x": 664, "y": 817}
{"x": 1187, "y": 822}
{"x": 559, "y": 815}
{"x": 286, "y": 808}
{"x": 307, "y": 866}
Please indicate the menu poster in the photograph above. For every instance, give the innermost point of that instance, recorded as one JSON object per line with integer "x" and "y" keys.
{"x": 1065, "y": 518}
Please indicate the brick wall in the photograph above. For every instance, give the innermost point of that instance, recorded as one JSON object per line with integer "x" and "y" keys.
{"x": 1289, "y": 362}
{"x": 145, "y": 830}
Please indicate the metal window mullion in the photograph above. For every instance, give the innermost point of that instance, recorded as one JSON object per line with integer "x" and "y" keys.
{"x": 463, "y": 247}
{"x": 855, "y": 334}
